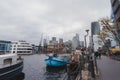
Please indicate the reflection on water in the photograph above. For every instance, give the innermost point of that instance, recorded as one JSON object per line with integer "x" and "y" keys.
{"x": 35, "y": 69}
{"x": 54, "y": 73}
{"x": 20, "y": 76}
{"x": 55, "y": 69}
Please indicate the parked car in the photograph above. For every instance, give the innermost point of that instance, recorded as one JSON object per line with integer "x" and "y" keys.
{"x": 115, "y": 51}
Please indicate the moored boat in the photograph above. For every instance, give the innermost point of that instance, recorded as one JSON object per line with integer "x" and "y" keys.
{"x": 56, "y": 61}
{"x": 10, "y": 66}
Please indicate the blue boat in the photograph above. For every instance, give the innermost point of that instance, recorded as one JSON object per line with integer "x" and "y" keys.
{"x": 55, "y": 61}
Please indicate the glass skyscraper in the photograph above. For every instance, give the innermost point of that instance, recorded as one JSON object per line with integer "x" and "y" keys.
{"x": 95, "y": 28}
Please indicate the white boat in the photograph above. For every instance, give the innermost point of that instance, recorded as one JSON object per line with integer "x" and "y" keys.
{"x": 10, "y": 65}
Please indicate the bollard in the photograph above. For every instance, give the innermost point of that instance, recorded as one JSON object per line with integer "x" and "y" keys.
{"x": 91, "y": 68}
{"x": 68, "y": 71}
{"x": 95, "y": 61}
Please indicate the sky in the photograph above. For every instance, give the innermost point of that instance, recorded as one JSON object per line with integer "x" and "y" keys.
{"x": 29, "y": 19}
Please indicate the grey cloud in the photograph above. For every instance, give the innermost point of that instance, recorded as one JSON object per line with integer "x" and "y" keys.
{"x": 28, "y": 19}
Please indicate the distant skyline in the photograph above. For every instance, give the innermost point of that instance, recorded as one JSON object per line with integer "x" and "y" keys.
{"x": 28, "y": 19}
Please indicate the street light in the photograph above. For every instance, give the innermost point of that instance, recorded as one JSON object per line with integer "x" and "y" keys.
{"x": 86, "y": 36}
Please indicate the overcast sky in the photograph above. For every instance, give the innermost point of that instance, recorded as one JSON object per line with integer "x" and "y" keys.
{"x": 28, "y": 19}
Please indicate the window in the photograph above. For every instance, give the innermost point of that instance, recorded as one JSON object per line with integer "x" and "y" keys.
{"x": 8, "y": 61}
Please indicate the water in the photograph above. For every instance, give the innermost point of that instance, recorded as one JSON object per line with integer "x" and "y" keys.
{"x": 35, "y": 69}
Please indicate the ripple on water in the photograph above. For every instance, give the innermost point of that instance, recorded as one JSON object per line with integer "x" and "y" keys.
{"x": 35, "y": 69}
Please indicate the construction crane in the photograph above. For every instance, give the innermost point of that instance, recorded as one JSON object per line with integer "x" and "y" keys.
{"x": 40, "y": 47}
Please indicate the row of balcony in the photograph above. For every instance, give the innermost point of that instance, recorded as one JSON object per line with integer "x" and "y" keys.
{"x": 116, "y": 6}
{"x": 117, "y": 15}
{"x": 113, "y": 2}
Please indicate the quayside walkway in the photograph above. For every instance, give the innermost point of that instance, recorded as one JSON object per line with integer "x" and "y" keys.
{"x": 109, "y": 69}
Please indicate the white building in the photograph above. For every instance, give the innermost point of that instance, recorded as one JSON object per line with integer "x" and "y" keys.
{"x": 97, "y": 42}
{"x": 21, "y": 47}
{"x": 81, "y": 43}
{"x": 75, "y": 42}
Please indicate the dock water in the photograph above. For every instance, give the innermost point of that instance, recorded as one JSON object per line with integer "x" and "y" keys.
{"x": 35, "y": 69}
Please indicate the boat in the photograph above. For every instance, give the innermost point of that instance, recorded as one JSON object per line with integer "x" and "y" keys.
{"x": 56, "y": 61}
{"x": 10, "y": 65}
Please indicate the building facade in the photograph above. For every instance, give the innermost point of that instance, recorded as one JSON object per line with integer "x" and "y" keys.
{"x": 75, "y": 42}
{"x": 68, "y": 44}
{"x": 81, "y": 43}
{"x": 97, "y": 42}
{"x": 61, "y": 44}
{"x": 95, "y": 28}
{"x": 53, "y": 45}
{"x": 4, "y": 46}
{"x": 115, "y": 4}
{"x": 21, "y": 47}
{"x": 116, "y": 9}
{"x": 116, "y": 13}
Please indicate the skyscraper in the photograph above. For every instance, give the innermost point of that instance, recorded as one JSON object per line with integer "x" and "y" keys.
{"x": 95, "y": 28}
{"x": 60, "y": 40}
{"x": 81, "y": 43}
{"x": 77, "y": 36}
{"x": 115, "y": 4}
{"x": 116, "y": 10}
{"x": 53, "y": 38}
{"x": 75, "y": 42}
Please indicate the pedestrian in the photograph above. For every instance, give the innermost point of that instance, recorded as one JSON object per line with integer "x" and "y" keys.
{"x": 82, "y": 50}
{"x": 96, "y": 54}
{"x": 99, "y": 52}
{"x": 109, "y": 53}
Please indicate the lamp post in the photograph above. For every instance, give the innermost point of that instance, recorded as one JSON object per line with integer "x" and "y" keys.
{"x": 89, "y": 59}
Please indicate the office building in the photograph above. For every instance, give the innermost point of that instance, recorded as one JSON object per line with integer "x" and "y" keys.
{"x": 97, "y": 42}
{"x": 4, "y": 46}
{"x": 75, "y": 42}
{"x": 95, "y": 28}
{"x": 53, "y": 38}
{"x": 60, "y": 40}
{"x": 81, "y": 43}
{"x": 53, "y": 45}
{"x": 21, "y": 47}
{"x": 116, "y": 9}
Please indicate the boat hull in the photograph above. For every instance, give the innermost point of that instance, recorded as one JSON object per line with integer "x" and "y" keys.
{"x": 55, "y": 62}
{"x": 11, "y": 71}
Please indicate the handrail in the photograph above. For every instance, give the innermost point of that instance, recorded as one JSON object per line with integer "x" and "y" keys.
{"x": 74, "y": 71}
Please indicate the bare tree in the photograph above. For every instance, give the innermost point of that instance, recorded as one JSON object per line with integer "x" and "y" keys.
{"x": 109, "y": 26}
{"x": 102, "y": 35}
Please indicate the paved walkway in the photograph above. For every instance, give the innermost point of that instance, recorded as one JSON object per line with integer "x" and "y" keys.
{"x": 109, "y": 68}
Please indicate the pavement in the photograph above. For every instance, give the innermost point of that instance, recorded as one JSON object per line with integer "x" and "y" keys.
{"x": 85, "y": 72}
{"x": 109, "y": 69}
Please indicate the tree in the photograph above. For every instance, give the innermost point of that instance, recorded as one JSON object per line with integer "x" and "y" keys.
{"x": 103, "y": 35}
{"x": 111, "y": 27}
